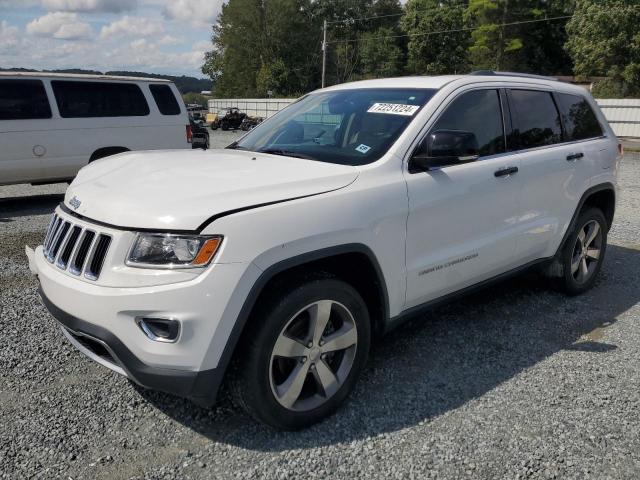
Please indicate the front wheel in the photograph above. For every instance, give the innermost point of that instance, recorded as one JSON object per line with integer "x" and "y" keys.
{"x": 583, "y": 254}
{"x": 302, "y": 354}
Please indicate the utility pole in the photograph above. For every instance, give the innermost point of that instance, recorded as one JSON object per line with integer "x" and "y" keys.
{"x": 324, "y": 50}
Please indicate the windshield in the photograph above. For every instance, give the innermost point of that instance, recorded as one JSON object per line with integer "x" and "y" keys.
{"x": 349, "y": 127}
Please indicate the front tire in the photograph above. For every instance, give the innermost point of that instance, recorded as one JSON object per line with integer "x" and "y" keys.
{"x": 304, "y": 349}
{"x": 583, "y": 254}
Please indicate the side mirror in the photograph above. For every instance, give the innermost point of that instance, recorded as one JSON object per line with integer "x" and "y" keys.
{"x": 446, "y": 147}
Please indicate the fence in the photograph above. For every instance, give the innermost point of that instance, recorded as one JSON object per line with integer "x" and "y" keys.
{"x": 255, "y": 107}
{"x": 623, "y": 115}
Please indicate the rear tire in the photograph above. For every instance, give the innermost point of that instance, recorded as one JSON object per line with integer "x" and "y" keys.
{"x": 583, "y": 253}
{"x": 302, "y": 354}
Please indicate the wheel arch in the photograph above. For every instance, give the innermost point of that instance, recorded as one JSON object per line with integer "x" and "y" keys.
{"x": 602, "y": 196}
{"x": 349, "y": 262}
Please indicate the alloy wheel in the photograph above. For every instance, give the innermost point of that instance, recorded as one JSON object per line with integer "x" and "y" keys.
{"x": 586, "y": 252}
{"x": 313, "y": 355}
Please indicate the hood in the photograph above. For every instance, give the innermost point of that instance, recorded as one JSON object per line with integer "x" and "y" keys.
{"x": 181, "y": 189}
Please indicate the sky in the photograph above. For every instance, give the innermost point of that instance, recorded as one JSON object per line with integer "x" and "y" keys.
{"x": 153, "y": 36}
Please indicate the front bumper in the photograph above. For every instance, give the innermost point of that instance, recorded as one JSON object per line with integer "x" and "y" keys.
{"x": 104, "y": 347}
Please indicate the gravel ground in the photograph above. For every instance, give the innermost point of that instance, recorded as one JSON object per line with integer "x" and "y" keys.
{"x": 515, "y": 382}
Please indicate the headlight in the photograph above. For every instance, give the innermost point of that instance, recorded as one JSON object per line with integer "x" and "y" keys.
{"x": 158, "y": 250}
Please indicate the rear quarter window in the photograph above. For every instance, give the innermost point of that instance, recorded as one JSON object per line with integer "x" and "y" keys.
{"x": 580, "y": 121}
{"x": 23, "y": 100}
{"x": 165, "y": 99}
{"x": 99, "y": 99}
{"x": 537, "y": 121}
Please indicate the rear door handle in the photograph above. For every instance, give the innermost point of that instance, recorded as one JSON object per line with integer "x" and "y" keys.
{"x": 575, "y": 156}
{"x": 504, "y": 172}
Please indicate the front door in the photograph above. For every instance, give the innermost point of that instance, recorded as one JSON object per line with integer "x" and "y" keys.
{"x": 460, "y": 228}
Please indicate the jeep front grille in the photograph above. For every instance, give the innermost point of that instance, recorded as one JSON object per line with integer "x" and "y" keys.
{"x": 73, "y": 247}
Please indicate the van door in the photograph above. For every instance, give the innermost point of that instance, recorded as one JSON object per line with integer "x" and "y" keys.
{"x": 460, "y": 224}
{"x": 24, "y": 111}
{"x": 555, "y": 169}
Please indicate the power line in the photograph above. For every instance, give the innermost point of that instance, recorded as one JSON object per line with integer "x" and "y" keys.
{"x": 466, "y": 29}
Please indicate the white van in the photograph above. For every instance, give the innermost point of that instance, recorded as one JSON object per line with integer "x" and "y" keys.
{"x": 51, "y": 125}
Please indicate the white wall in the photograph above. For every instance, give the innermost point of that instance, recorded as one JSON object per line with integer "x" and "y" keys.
{"x": 255, "y": 107}
{"x": 623, "y": 115}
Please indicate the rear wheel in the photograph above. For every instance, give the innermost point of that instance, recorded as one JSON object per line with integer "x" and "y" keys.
{"x": 583, "y": 254}
{"x": 303, "y": 353}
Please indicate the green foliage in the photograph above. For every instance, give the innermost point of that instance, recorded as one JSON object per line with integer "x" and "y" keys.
{"x": 439, "y": 53}
{"x": 195, "y": 98}
{"x": 604, "y": 40}
{"x": 261, "y": 46}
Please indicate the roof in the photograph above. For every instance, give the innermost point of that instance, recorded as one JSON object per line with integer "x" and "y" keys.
{"x": 437, "y": 82}
{"x": 81, "y": 76}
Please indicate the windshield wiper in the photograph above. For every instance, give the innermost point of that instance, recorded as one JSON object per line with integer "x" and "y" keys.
{"x": 285, "y": 153}
{"x": 235, "y": 146}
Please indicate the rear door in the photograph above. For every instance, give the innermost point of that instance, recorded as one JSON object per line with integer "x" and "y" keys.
{"x": 554, "y": 170}
{"x": 25, "y": 119}
{"x": 460, "y": 224}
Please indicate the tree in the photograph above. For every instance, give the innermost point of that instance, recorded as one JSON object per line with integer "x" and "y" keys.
{"x": 494, "y": 46}
{"x": 364, "y": 37}
{"x": 253, "y": 42}
{"x": 436, "y": 53}
{"x": 604, "y": 40}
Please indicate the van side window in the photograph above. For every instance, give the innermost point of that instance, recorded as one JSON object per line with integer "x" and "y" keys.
{"x": 477, "y": 112}
{"x": 23, "y": 100}
{"x": 537, "y": 121}
{"x": 165, "y": 99}
{"x": 77, "y": 99}
{"x": 577, "y": 115}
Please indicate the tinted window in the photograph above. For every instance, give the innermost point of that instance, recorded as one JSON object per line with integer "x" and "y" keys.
{"x": 23, "y": 99}
{"x": 99, "y": 99}
{"x": 165, "y": 99}
{"x": 579, "y": 120}
{"x": 477, "y": 112}
{"x": 349, "y": 127}
{"x": 537, "y": 121}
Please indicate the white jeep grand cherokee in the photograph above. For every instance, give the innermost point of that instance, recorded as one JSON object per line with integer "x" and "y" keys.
{"x": 275, "y": 262}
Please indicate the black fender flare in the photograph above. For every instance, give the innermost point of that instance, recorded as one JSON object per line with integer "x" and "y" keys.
{"x": 279, "y": 267}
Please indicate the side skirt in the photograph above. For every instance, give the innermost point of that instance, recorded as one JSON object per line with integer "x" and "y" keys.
{"x": 413, "y": 312}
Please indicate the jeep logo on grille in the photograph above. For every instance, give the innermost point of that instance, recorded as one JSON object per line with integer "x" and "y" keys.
{"x": 75, "y": 203}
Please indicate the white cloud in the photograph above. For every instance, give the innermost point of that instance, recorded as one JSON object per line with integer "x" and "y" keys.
{"x": 61, "y": 25}
{"x": 9, "y": 36}
{"x": 132, "y": 26}
{"x": 170, "y": 40}
{"x": 198, "y": 12}
{"x": 111, "y": 6}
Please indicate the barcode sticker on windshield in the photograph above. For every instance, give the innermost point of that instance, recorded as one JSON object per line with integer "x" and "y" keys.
{"x": 393, "y": 109}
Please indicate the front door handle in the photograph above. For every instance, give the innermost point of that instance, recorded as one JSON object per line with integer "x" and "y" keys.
{"x": 575, "y": 156}
{"x": 504, "y": 172}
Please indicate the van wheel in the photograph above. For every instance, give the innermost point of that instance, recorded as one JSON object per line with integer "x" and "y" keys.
{"x": 304, "y": 350}
{"x": 583, "y": 254}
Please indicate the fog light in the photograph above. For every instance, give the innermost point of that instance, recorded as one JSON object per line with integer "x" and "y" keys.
{"x": 160, "y": 329}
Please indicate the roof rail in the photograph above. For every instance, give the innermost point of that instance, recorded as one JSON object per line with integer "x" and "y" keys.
{"x": 512, "y": 74}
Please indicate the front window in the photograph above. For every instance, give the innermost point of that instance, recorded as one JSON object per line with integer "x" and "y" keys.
{"x": 348, "y": 127}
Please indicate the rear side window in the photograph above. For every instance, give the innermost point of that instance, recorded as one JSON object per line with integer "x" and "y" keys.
{"x": 580, "y": 122}
{"x": 23, "y": 100}
{"x": 537, "y": 122}
{"x": 477, "y": 112}
{"x": 99, "y": 99}
{"x": 165, "y": 99}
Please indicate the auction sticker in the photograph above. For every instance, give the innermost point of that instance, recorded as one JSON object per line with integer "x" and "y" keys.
{"x": 393, "y": 109}
{"x": 362, "y": 148}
